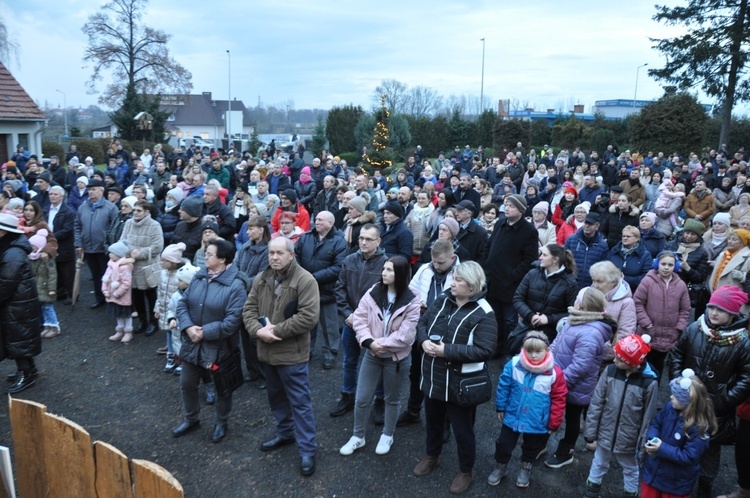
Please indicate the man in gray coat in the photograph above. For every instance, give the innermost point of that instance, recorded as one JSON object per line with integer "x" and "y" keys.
{"x": 92, "y": 220}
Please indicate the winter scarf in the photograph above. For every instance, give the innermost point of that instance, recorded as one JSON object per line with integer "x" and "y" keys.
{"x": 721, "y": 337}
{"x": 685, "y": 249}
{"x": 545, "y": 365}
{"x": 422, "y": 213}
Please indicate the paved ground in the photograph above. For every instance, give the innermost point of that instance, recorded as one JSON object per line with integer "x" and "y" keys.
{"x": 120, "y": 395}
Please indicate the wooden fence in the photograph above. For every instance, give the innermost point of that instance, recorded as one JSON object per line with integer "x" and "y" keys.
{"x": 55, "y": 457}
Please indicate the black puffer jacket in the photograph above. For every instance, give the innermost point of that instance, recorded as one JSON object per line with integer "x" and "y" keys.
{"x": 725, "y": 370}
{"x": 323, "y": 259}
{"x": 217, "y": 307}
{"x": 455, "y": 325}
{"x": 19, "y": 303}
{"x": 252, "y": 259}
{"x": 549, "y": 296}
{"x": 615, "y": 220}
{"x": 357, "y": 276}
{"x": 306, "y": 193}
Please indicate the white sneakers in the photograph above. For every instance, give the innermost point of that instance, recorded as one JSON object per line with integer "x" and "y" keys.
{"x": 384, "y": 445}
{"x": 354, "y": 443}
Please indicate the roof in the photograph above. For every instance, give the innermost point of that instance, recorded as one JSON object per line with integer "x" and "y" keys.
{"x": 198, "y": 109}
{"x": 15, "y": 103}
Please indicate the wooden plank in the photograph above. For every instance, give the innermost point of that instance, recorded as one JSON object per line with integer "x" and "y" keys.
{"x": 112, "y": 472}
{"x": 153, "y": 480}
{"x": 69, "y": 458}
{"x": 27, "y": 421}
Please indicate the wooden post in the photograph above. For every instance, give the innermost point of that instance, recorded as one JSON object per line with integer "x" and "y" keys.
{"x": 112, "y": 472}
{"x": 69, "y": 458}
{"x": 26, "y": 420}
{"x": 153, "y": 480}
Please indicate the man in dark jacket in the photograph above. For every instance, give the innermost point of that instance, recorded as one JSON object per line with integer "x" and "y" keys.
{"x": 321, "y": 251}
{"x": 395, "y": 237}
{"x": 224, "y": 218}
{"x": 359, "y": 272}
{"x": 20, "y": 310}
{"x": 588, "y": 246}
{"x": 512, "y": 248}
{"x": 466, "y": 192}
{"x": 189, "y": 230}
{"x": 61, "y": 220}
{"x": 471, "y": 236}
{"x": 325, "y": 200}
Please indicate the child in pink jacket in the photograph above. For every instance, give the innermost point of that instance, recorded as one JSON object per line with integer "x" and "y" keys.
{"x": 116, "y": 287}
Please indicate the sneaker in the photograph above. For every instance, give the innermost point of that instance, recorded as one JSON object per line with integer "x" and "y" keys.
{"x": 407, "y": 418}
{"x": 501, "y": 470}
{"x": 524, "y": 474}
{"x": 461, "y": 483}
{"x": 354, "y": 443}
{"x": 556, "y": 462}
{"x": 171, "y": 364}
{"x": 378, "y": 412}
{"x": 162, "y": 350}
{"x": 384, "y": 445}
{"x": 53, "y": 332}
{"x": 592, "y": 489}
{"x": 344, "y": 405}
{"x": 178, "y": 370}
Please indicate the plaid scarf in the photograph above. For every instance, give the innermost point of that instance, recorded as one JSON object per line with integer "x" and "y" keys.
{"x": 721, "y": 337}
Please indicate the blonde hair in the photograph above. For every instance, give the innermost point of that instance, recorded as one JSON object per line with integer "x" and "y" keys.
{"x": 700, "y": 411}
{"x": 535, "y": 342}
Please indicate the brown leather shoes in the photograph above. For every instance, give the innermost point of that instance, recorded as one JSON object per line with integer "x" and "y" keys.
{"x": 461, "y": 483}
{"x": 426, "y": 465}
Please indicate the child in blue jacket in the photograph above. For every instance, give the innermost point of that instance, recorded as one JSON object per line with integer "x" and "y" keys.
{"x": 530, "y": 401}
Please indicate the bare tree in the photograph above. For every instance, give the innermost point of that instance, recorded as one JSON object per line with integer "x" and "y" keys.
{"x": 8, "y": 47}
{"x": 396, "y": 95}
{"x": 137, "y": 55}
{"x": 454, "y": 103}
{"x": 423, "y": 101}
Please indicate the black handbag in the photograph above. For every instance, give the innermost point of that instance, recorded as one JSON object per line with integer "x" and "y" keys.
{"x": 227, "y": 375}
{"x": 469, "y": 389}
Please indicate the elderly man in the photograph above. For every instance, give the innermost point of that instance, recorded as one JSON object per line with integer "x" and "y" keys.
{"x": 283, "y": 304}
{"x": 92, "y": 220}
{"x": 212, "y": 205}
{"x": 321, "y": 251}
{"x": 360, "y": 186}
{"x": 471, "y": 236}
{"x": 61, "y": 220}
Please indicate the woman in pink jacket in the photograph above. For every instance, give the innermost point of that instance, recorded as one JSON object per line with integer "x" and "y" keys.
{"x": 662, "y": 304}
{"x": 385, "y": 323}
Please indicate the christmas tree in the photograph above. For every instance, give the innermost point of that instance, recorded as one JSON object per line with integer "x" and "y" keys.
{"x": 382, "y": 155}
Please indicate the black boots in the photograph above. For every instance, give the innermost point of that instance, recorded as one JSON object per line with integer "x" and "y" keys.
{"x": 24, "y": 380}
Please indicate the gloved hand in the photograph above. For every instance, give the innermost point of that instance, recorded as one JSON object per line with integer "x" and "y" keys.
{"x": 738, "y": 275}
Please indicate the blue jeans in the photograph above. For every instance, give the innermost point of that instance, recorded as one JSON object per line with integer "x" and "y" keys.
{"x": 50, "y": 317}
{"x": 352, "y": 351}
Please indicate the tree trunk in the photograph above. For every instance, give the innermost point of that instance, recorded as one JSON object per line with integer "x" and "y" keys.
{"x": 737, "y": 35}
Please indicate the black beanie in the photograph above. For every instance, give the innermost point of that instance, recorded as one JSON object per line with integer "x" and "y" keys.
{"x": 291, "y": 195}
{"x": 395, "y": 208}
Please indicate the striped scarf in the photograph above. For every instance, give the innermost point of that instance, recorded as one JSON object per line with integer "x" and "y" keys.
{"x": 721, "y": 337}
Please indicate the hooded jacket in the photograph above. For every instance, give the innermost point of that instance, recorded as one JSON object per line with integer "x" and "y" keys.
{"x": 663, "y": 310}
{"x": 469, "y": 333}
{"x": 622, "y": 308}
{"x": 252, "y": 259}
{"x": 615, "y": 220}
{"x": 549, "y": 295}
{"x": 622, "y": 408}
{"x": 579, "y": 350}
{"x": 117, "y": 282}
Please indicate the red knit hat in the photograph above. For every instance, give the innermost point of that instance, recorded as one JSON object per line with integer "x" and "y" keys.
{"x": 571, "y": 190}
{"x": 632, "y": 349}
{"x": 728, "y": 298}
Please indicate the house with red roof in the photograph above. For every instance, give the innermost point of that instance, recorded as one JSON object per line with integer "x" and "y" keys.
{"x": 21, "y": 120}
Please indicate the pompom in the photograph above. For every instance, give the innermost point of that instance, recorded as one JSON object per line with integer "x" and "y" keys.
{"x": 688, "y": 372}
{"x": 646, "y": 338}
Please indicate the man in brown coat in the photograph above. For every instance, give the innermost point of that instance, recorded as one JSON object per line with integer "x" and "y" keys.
{"x": 700, "y": 204}
{"x": 632, "y": 186}
{"x": 282, "y": 308}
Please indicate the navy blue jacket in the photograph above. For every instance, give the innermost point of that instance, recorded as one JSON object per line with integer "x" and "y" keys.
{"x": 635, "y": 266}
{"x": 675, "y": 467}
{"x": 323, "y": 259}
{"x": 586, "y": 253}
{"x": 398, "y": 242}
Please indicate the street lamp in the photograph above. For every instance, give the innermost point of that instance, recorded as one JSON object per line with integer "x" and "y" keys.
{"x": 229, "y": 98}
{"x": 637, "y": 71}
{"x": 65, "y": 111}
{"x": 481, "y": 91}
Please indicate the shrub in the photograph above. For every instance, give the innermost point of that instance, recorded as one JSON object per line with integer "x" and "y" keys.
{"x": 53, "y": 149}
{"x": 91, "y": 147}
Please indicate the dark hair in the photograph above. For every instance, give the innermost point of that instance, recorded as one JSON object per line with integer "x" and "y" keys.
{"x": 260, "y": 222}
{"x": 5, "y": 194}
{"x": 402, "y": 272}
{"x": 564, "y": 256}
{"x": 370, "y": 226}
{"x": 143, "y": 203}
{"x": 490, "y": 207}
{"x": 38, "y": 212}
{"x": 224, "y": 250}
{"x": 450, "y": 199}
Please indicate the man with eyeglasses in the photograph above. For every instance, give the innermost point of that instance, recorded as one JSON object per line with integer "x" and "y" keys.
{"x": 321, "y": 251}
{"x": 359, "y": 272}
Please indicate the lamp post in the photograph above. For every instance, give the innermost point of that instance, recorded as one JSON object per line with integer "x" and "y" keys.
{"x": 229, "y": 99}
{"x": 637, "y": 72}
{"x": 481, "y": 90}
{"x": 65, "y": 111}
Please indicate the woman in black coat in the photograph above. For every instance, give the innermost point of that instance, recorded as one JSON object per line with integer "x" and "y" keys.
{"x": 20, "y": 311}
{"x": 545, "y": 293}
{"x": 694, "y": 269}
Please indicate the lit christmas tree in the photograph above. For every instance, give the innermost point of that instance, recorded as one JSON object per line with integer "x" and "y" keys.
{"x": 382, "y": 155}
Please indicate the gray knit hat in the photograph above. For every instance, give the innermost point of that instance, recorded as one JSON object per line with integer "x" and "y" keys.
{"x": 517, "y": 201}
{"x": 359, "y": 204}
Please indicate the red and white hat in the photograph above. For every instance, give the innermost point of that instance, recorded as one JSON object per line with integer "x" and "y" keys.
{"x": 632, "y": 349}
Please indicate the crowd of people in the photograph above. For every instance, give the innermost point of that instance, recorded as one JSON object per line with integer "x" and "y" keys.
{"x": 594, "y": 278}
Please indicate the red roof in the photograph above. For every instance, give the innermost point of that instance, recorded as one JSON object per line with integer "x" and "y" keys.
{"x": 15, "y": 103}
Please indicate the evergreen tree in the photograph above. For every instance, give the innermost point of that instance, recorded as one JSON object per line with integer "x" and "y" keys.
{"x": 340, "y": 126}
{"x": 319, "y": 138}
{"x": 674, "y": 122}
{"x": 131, "y": 106}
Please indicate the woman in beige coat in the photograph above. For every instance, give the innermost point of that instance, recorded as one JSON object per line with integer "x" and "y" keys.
{"x": 733, "y": 264}
{"x": 145, "y": 240}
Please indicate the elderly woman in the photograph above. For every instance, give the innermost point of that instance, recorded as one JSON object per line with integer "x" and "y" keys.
{"x": 467, "y": 330}
{"x": 209, "y": 316}
{"x": 546, "y": 230}
{"x": 651, "y": 238}
{"x": 741, "y": 210}
{"x": 631, "y": 257}
{"x": 115, "y": 228}
{"x": 545, "y": 293}
{"x": 573, "y": 223}
{"x": 607, "y": 278}
{"x": 416, "y": 221}
{"x": 733, "y": 264}
{"x": 724, "y": 196}
{"x": 715, "y": 239}
{"x": 447, "y": 230}
{"x": 357, "y": 217}
{"x": 662, "y": 305}
{"x": 144, "y": 238}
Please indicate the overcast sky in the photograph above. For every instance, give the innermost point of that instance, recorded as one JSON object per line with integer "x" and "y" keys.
{"x": 321, "y": 54}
